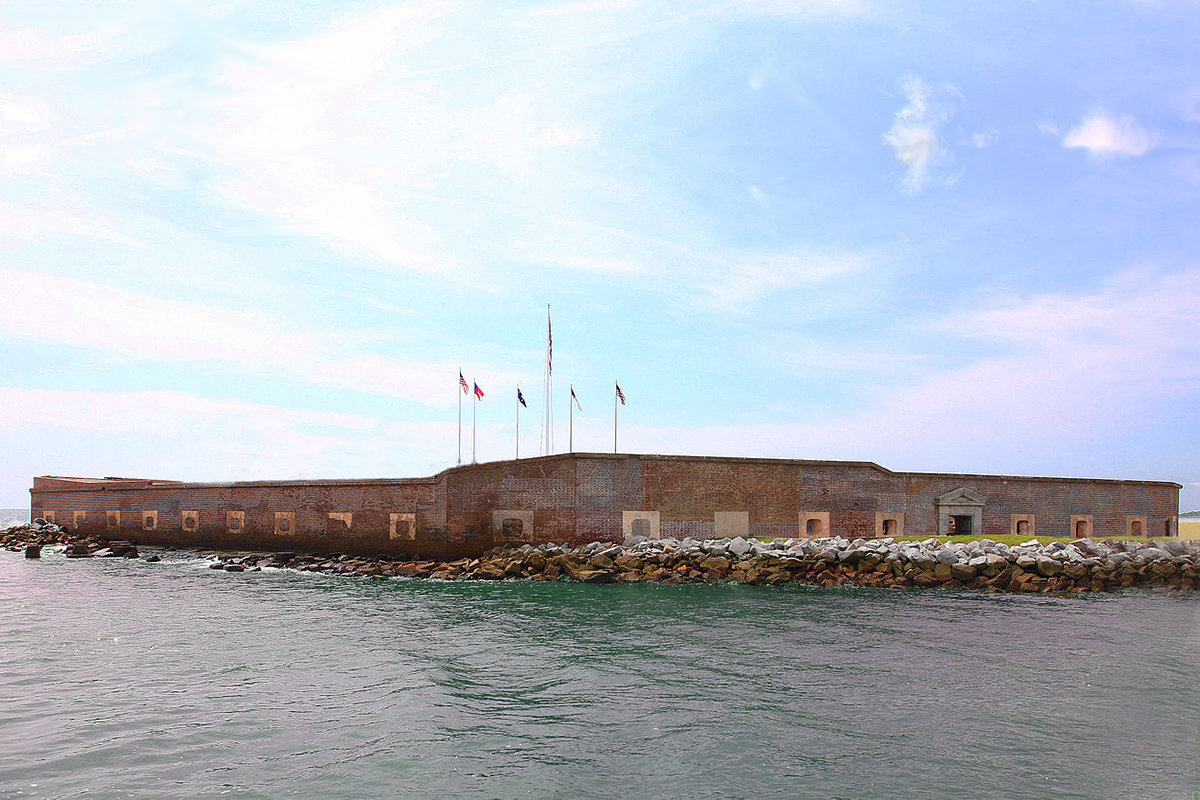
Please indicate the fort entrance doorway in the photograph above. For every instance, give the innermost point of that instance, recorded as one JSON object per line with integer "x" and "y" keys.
{"x": 960, "y": 513}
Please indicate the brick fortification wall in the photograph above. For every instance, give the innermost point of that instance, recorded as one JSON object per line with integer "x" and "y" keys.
{"x": 585, "y": 497}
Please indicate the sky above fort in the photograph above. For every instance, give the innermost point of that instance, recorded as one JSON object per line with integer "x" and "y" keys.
{"x": 259, "y": 240}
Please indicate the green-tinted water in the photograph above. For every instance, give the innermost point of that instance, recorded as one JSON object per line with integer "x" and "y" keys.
{"x": 128, "y": 679}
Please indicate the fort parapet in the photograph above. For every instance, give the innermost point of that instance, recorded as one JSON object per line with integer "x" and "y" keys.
{"x": 582, "y": 497}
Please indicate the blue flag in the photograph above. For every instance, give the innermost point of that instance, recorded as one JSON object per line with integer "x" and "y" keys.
{"x": 520, "y": 397}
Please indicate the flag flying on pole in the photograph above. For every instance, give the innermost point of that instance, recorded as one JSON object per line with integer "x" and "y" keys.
{"x": 463, "y": 383}
{"x": 549, "y": 343}
{"x": 620, "y": 395}
{"x": 576, "y": 399}
{"x": 521, "y": 397}
{"x": 478, "y": 392}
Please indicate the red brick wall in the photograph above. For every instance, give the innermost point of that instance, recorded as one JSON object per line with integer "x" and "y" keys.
{"x": 371, "y": 503}
{"x": 580, "y": 498}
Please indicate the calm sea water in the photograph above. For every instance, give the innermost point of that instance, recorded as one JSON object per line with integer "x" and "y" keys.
{"x": 128, "y": 679}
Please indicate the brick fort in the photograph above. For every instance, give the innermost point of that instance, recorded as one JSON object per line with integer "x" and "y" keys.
{"x": 576, "y": 498}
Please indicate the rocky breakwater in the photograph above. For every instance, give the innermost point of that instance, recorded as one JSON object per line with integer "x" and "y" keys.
{"x": 1058, "y": 567}
{"x": 40, "y": 533}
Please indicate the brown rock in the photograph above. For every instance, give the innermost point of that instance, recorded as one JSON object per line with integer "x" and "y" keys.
{"x": 963, "y": 572}
{"x": 592, "y": 575}
{"x": 1163, "y": 568}
{"x": 1074, "y": 569}
{"x": 924, "y": 578}
{"x": 490, "y": 572}
{"x": 601, "y": 562}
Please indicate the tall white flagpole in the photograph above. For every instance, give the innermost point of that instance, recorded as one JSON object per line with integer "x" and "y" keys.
{"x": 474, "y": 406}
{"x": 518, "y": 402}
{"x": 460, "y": 394}
{"x": 547, "y": 435}
{"x": 615, "y": 389}
{"x": 571, "y": 423}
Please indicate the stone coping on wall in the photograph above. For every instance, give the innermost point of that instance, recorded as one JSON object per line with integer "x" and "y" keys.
{"x": 93, "y": 484}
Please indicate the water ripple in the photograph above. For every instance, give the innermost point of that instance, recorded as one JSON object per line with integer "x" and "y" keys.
{"x": 127, "y": 679}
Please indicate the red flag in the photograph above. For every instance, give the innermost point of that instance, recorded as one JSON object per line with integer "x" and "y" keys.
{"x": 478, "y": 392}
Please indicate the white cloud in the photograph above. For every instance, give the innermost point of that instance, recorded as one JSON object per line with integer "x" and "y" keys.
{"x": 1105, "y": 135}
{"x": 24, "y": 159}
{"x": 914, "y": 134}
{"x": 735, "y": 284}
{"x": 584, "y": 263}
{"x": 31, "y": 45}
{"x": 1072, "y": 369}
{"x": 140, "y": 327}
{"x": 985, "y": 138}
{"x": 26, "y": 222}
{"x": 20, "y": 112}
{"x": 806, "y": 8}
{"x": 581, "y": 7}
{"x": 176, "y": 435}
{"x": 339, "y": 136}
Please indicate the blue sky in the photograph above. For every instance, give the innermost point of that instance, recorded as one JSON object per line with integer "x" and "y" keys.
{"x": 258, "y": 240}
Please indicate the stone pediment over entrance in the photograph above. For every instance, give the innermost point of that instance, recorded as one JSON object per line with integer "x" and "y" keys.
{"x": 962, "y": 497}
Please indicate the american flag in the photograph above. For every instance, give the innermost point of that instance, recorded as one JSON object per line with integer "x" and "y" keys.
{"x": 478, "y": 392}
{"x": 620, "y": 394}
{"x": 549, "y": 343}
{"x": 463, "y": 383}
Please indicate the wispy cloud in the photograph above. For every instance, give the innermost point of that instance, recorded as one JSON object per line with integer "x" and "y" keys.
{"x": 132, "y": 326}
{"x": 985, "y": 138}
{"x": 807, "y": 8}
{"x": 331, "y": 135}
{"x": 733, "y": 284}
{"x": 1107, "y": 135}
{"x": 178, "y": 435}
{"x": 914, "y": 134}
{"x": 29, "y": 223}
{"x": 27, "y": 44}
{"x": 1073, "y": 367}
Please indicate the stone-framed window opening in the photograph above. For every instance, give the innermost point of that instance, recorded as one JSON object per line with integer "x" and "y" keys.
{"x": 1136, "y": 526}
{"x": 515, "y": 524}
{"x": 640, "y": 523}
{"x": 1081, "y": 526}
{"x": 285, "y": 523}
{"x": 1023, "y": 525}
{"x": 814, "y": 524}
{"x": 402, "y": 525}
{"x": 889, "y": 523}
{"x": 149, "y": 519}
